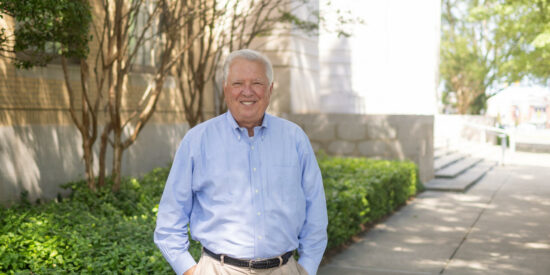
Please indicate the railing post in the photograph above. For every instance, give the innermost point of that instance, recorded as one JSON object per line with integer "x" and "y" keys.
{"x": 502, "y": 146}
{"x": 512, "y": 142}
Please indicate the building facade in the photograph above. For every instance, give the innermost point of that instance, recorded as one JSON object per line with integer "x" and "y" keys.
{"x": 521, "y": 107}
{"x": 372, "y": 94}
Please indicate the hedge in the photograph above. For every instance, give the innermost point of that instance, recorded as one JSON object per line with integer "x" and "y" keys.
{"x": 361, "y": 191}
{"x": 111, "y": 233}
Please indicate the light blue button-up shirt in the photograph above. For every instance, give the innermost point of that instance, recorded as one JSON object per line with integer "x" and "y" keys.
{"x": 245, "y": 197}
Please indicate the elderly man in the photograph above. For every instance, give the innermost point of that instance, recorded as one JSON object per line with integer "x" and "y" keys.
{"x": 248, "y": 185}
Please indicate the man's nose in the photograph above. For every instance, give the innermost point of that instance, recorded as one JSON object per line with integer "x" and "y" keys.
{"x": 247, "y": 89}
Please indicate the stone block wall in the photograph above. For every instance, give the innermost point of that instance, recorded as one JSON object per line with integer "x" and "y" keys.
{"x": 40, "y": 158}
{"x": 399, "y": 137}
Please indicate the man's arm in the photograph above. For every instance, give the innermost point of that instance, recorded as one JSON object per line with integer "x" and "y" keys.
{"x": 174, "y": 211}
{"x": 313, "y": 237}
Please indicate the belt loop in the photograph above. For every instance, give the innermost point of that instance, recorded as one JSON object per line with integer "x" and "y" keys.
{"x": 280, "y": 261}
{"x": 221, "y": 259}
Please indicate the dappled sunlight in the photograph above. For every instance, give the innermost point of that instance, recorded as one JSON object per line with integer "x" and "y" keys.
{"x": 6, "y": 23}
{"x": 402, "y": 249}
{"x": 467, "y": 198}
{"x": 509, "y": 213}
{"x": 440, "y": 210}
{"x": 414, "y": 229}
{"x": 491, "y": 262}
{"x": 497, "y": 262}
{"x": 449, "y": 229}
{"x": 538, "y": 246}
{"x": 418, "y": 240}
{"x": 450, "y": 206}
{"x": 385, "y": 227}
{"x": 451, "y": 219}
{"x": 526, "y": 177}
{"x": 432, "y": 203}
{"x": 432, "y": 263}
{"x": 482, "y": 205}
{"x": 532, "y": 224}
{"x": 499, "y": 255}
{"x": 19, "y": 170}
{"x": 470, "y": 264}
{"x": 533, "y": 198}
{"x": 513, "y": 235}
{"x": 474, "y": 240}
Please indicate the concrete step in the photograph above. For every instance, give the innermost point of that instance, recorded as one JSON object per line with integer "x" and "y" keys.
{"x": 462, "y": 182}
{"x": 447, "y": 160}
{"x": 457, "y": 168}
{"x": 441, "y": 152}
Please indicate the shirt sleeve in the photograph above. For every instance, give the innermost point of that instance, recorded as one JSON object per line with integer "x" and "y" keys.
{"x": 313, "y": 237}
{"x": 174, "y": 211}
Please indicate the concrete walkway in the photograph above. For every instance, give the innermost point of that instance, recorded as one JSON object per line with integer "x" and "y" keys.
{"x": 499, "y": 226}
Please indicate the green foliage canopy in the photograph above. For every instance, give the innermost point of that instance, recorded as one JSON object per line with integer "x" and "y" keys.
{"x": 486, "y": 45}
{"x": 45, "y": 29}
{"x": 529, "y": 23}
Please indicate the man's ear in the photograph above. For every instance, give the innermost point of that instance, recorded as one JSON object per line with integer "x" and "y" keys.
{"x": 224, "y": 94}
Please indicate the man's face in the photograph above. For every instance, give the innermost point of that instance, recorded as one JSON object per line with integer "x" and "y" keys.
{"x": 247, "y": 92}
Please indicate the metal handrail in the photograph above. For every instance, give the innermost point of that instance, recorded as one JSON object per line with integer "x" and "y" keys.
{"x": 503, "y": 133}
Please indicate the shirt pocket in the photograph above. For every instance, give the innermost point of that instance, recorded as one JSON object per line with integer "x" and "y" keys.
{"x": 285, "y": 183}
{"x": 220, "y": 182}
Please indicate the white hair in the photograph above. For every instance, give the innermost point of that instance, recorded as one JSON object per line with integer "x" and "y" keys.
{"x": 250, "y": 55}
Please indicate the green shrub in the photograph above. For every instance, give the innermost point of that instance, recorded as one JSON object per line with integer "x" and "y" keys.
{"x": 112, "y": 233}
{"x": 361, "y": 190}
{"x": 87, "y": 233}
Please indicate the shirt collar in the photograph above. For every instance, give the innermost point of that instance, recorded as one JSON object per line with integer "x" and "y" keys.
{"x": 237, "y": 129}
{"x": 231, "y": 120}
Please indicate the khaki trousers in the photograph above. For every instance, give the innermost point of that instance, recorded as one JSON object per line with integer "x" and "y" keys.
{"x": 209, "y": 266}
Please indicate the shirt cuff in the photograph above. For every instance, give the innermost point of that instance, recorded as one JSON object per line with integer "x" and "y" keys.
{"x": 183, "y": 263}
{"x": 309, "y": 265}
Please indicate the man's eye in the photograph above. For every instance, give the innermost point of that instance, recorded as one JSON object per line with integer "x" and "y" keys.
{"x": 258, "y": 83}
{"x": 236, "y": 84}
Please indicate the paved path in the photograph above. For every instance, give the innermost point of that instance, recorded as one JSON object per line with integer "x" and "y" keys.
{"x": 499, "y": 226}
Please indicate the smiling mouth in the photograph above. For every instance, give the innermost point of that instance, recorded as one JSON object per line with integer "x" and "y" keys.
{"x": 247, "y": 103}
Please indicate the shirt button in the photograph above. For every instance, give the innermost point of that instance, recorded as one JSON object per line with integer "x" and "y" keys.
{"x": 259, "y": 213}
{"x": 256, "y": 190}
{"x": 259, "y": 237}
{"x": 254, "y": 169}
{"x": 252, "y": 147}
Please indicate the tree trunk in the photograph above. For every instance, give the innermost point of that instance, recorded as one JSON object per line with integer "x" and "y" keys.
{"x": 103, "y": 154}
{"x": 89, "y": 161}
{"x": 83, "y": 125}
{"x": 117, "y": 163}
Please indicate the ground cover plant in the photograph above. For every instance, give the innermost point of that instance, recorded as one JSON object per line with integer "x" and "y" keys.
{"x": 112, "y": 233}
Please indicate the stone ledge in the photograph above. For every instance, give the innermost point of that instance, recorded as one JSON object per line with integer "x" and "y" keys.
{"x": 341, "y": 147}
{"x": 351, "y": 131}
